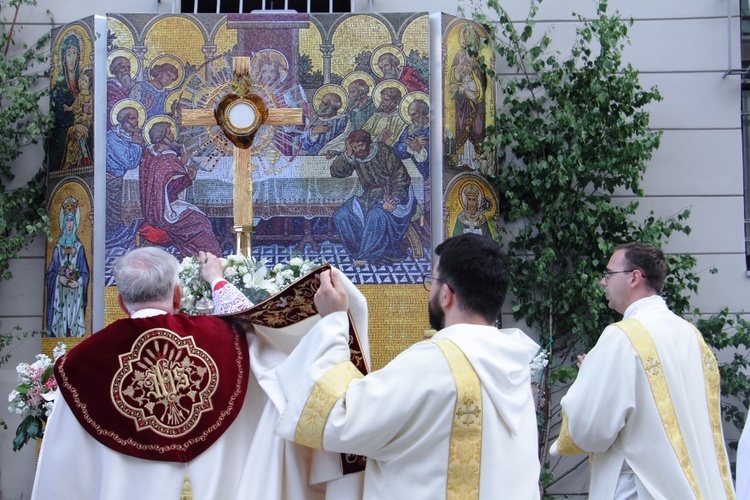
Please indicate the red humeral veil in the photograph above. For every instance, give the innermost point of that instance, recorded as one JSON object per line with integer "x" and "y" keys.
{"x": 159, "y": 388}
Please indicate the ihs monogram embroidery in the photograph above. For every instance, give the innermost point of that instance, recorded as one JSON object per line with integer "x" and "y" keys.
{"x": 165, "y": 383}
{"x": 468, "y": 412}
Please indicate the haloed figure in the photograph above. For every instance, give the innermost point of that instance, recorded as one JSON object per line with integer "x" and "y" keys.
{"x": 67, "y": 277}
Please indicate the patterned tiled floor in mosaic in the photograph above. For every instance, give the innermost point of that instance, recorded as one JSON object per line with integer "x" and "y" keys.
{"x": 407, "y": 271}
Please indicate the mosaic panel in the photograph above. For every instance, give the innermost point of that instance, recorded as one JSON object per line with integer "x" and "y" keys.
{"x": 69, "y": 257}
{"x": 171, "y": 184}
{"x": 470, "y": 203}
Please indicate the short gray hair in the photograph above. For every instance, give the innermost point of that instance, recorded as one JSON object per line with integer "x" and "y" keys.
{"x": 146, "y": 275}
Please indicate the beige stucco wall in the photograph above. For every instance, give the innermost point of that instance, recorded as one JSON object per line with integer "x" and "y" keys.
{"x": 682, "y": 47}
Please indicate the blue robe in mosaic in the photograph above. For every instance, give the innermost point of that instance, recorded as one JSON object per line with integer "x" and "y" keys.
{"x": 421, "y": 159}
{"x": 368, "y": 231}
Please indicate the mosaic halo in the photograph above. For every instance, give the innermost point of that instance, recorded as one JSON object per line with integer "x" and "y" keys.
{"x": 128, "y": 103}
{"x": 331, "y": 89}
{"x": 408, "y": 99}
{"x": 385, "y": 49}
{"x": 387, "y": 84}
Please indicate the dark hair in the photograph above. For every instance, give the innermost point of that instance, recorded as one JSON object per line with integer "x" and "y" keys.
{"x": 361, "y": 85}
{"x": 158, "y": 69}
{"x": 477, "y": 270}
{"x": 649, "y": 260}
{"x": 392, "y": 92}
{"x": 360, "y": 135}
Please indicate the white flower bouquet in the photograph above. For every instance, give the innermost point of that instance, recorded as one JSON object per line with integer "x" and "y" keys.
{"x": 249, "y": 275}
{"x": 34, "y": 396}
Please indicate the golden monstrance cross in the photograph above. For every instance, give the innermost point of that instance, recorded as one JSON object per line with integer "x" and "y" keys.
{"x": 239, "y": 115}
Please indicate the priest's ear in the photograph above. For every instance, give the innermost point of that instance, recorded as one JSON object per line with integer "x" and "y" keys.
{"x": 122, "y": 304}
{"x": 177, "y": 297}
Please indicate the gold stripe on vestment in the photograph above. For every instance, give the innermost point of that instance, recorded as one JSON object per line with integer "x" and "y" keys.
{"x": 327, "y": 391}
{"x": 464, "y": 462}
{"x": 646, "y": 350}
{"x": 713, "y": 394}
{"x": 565, "y": 443}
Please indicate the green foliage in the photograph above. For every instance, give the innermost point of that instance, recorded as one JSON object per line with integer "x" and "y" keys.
{"x": 733, "y": 334}
{"x": 30, "y": 428}
{"x": 572, "y": 140}
{"x": 308, "y": 76}
{"x": 22, "y": 123}
{"x": 419, "y": 63}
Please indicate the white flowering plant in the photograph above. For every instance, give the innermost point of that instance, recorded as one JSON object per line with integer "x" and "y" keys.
{"x": 249, "y": 275}
{"x": 538, "y": 364}
{"x": 34, "y": 396}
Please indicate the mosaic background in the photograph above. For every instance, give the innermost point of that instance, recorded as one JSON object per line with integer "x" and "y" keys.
{"x": 69, "y": 271}
{"x": 160, "y": 67}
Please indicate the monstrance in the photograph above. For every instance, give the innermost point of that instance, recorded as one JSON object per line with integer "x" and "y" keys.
{"x": 240, "y": 113}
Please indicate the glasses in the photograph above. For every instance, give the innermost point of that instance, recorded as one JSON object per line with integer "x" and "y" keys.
{"x": 608, "y": 273}
{"x": 428, "y": 279}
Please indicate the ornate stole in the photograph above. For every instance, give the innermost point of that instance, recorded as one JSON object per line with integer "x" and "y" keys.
{"x": 464, "y": 462}
{"x": 292, "y": 305}
{"x": 646, "y": 350}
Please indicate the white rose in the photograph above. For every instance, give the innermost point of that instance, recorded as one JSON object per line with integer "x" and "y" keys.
{"x": 278, "y": 268}
{"x": 295, "y": 262}
{"x": 230, "y": 271}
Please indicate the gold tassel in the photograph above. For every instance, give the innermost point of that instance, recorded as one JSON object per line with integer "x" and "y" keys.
{"x": 187, "y": 490}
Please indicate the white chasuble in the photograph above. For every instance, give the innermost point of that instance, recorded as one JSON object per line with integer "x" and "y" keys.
{"x": 402, "y": 417}
{"x": 647, "y": 399}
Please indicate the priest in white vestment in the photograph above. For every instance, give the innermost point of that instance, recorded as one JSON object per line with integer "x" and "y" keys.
{"x": 448, "y": 418}
{"x": 645, "y": 404}
{"x": 239, "y": 457}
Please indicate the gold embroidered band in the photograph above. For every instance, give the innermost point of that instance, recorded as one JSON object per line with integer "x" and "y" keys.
{"x": 646, "y": 350}
{"x": 464, "y": 462}
{"x": 711, "y": 376}
{"x": 318, "y": 406}
{"x": 565, "y": 443}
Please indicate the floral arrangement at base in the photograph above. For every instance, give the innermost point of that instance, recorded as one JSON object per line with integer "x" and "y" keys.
{"x": 249, "y": 275}
{"x": 34, "y": 396}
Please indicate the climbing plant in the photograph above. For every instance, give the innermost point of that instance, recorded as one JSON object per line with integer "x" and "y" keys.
{"x": 572, "y": 141}
{"x": 23, "y": 123}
